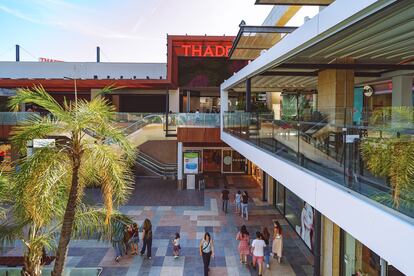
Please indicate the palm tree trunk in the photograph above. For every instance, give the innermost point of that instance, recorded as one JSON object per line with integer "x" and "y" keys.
{"x": 68, "y": 219}
{"x": 32, "y": 263}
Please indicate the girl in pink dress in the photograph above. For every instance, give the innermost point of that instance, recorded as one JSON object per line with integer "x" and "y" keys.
{"x": 244, "y": 244}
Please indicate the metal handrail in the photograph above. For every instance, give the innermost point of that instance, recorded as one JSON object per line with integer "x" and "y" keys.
{"x": 155, "y": 166}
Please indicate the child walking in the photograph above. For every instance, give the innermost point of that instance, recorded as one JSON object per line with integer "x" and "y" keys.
{"x": 176, "y": 246}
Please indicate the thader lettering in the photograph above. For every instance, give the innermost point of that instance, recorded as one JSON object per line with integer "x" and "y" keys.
{"x": 206, "y": 51}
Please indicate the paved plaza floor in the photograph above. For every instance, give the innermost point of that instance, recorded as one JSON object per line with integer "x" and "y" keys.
{"x": 191, "y": 222}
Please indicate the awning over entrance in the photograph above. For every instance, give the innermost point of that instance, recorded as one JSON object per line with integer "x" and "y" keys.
{"x": 252, "y": 40}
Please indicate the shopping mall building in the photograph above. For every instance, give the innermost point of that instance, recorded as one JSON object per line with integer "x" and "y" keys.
{"x": 320, "y": 115}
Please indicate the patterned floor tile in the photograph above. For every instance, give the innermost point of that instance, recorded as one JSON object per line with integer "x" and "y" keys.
{"x": 191, "y": 219}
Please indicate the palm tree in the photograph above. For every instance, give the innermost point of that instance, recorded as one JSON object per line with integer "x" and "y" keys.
{"x": 79, "y": 160}
{"x": 391, "y": 154}
{"x": 38, "y": 233}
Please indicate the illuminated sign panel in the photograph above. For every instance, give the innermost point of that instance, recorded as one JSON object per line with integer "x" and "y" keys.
{"x": 194, "y": 50}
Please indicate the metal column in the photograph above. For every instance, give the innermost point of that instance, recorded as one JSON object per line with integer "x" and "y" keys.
{"x": 17, "y": 52}
{"x": 248, "y": 95}
{"x": 98, "y": 54}
{"x": 188, "y": 101}
{"x": 180, "y": 165}
{"x": 167, "y": 104}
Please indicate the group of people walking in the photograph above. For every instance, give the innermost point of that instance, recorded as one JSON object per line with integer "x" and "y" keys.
{"x": 126, "y": 237}
{"x": 241, "y": 200}
{"x": 262, "y": 247}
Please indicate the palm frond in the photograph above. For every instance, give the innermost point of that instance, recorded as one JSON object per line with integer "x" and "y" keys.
{"x": 11, "y": 230}
{"x": 108, "y": 90}
{"x": 103, "y": 167}
{"x": 35, "y": 128}
{"x": 90, "y": 223}
{"x": 376, "y": 153}
{"x": 44, "y": 176}
{"x": 37, "y": 95}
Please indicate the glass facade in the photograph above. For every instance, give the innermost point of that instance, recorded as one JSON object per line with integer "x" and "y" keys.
{"x": 216, "y": 160}
{"x": 212, "y": 160}
{"x": 332, "y": 145}
{"x": 299, "y": 214}
{"x": 359, "y": 260}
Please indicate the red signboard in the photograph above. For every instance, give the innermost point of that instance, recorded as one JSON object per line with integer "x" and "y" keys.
{"x": 197, "y": 50}
{"x": 195, "y": 47}
{"x": 43, "y": 59}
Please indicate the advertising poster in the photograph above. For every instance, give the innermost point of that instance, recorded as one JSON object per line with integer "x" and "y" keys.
{"x": 306, "y": 228}
{"x": 191, "y": 162}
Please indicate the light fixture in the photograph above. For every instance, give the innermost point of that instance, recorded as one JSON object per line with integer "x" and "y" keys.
{"x": 368, "y": 91}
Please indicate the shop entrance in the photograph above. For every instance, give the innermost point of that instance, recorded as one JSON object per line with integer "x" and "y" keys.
{"x": 212, "y": 160}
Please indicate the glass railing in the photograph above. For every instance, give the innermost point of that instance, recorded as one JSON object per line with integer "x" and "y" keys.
{"x": 125, "y": 117}
{"x": 373, "y": 155}
{"x": 144, "y": 121}
{"x": 14, "y": 118}
{"x": 194, "y": 120}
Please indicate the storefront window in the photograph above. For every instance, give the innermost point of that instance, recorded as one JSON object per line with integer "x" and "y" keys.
{"x": 279, "y": 199}
{"x": 212, "y": 160}
{"x": 301, "y": 216}
{"x": 227, "y": 160}
{"x": 238, "y": 162}
{"x": 359, "y": 260}
{"x": 256, "y": 173}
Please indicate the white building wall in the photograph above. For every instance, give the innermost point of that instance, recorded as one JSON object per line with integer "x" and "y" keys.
{"x": 81, "y": 70}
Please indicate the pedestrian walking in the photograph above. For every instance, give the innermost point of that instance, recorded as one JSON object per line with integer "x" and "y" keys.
{"x": 237, "y": 201}
{"x": 176, "y": 245}
{"x": 244, "y": 244}
{"x": 277, "y": 245}
{"x": 127, "y": 236}
{"x": 267, "y": 249}
{"x": 146, "y": 238}
{"x": 225, "y": 198}
{"x": 244, "y": 205}
{"x": 117, "y": 235}
{"x": 206, "y": 251}
{"x": 258, "y": 246}
{"x": 134, "y": 240}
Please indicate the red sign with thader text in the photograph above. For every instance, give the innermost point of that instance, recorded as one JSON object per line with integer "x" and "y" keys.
{"x": 197, "y": 50}
{"x": 199, "y": 46}
{"x": 43, "y": 59}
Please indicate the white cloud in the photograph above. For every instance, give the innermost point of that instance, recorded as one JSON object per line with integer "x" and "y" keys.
{"x": 19, "y": 14}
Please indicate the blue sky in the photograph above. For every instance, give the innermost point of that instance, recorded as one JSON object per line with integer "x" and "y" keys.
{"x": 126, "y": 30}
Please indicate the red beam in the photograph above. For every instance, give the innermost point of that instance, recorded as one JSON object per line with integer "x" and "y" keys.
{"x": 68, "y": 85}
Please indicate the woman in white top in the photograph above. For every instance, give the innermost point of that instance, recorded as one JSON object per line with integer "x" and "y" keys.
{"x": 258, "y": 246}
{"x": 277, "y": 245}
{"x": 206, "y": 251}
